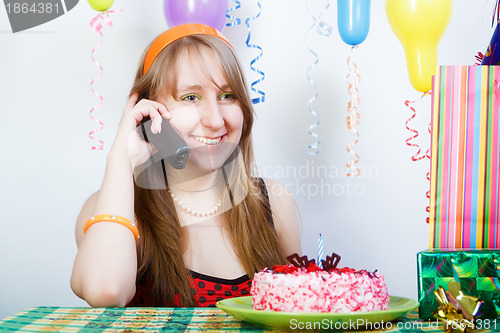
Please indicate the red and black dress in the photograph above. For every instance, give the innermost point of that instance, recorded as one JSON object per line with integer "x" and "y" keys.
{"x": 207, "y": 289}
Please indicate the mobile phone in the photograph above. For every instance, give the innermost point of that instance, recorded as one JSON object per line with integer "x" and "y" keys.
{"x": 171, "y": 147}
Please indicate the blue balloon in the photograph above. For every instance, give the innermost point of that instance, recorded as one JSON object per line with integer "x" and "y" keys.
{"x": 353, "y": 18}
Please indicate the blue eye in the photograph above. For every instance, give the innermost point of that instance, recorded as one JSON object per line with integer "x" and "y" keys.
{"x": 190, "y": 98}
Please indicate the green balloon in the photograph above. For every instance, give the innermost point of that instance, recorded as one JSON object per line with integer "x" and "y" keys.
{"x": 101, "y": 5}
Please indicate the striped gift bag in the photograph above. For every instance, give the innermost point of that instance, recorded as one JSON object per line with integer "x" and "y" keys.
{"x": 465, "y": 145}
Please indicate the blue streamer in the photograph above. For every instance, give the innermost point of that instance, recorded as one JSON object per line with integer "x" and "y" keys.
{"x": 262, "y": 97}
{"x": 314, "y": 146}
{"x": 322, "y": 29}
{"x": 233, "y": 19}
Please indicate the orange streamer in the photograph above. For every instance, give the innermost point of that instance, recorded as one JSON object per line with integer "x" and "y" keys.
{"x": 353, "y": 79}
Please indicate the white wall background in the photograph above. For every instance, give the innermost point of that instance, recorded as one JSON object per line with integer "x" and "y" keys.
{"x": 48, "y": 169}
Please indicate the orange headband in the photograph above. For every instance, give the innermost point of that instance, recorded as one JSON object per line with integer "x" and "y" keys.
{"x": 175, "y": 33}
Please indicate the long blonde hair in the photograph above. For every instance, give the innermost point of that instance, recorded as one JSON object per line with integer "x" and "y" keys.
{"x": 162, "y": 242}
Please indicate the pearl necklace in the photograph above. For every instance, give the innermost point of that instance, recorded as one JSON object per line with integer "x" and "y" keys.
{"x": 196, "y": 212}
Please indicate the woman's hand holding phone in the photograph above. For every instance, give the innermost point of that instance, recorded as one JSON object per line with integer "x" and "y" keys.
{"x": 106, "y": 243}
{"x": 128, "y": 141}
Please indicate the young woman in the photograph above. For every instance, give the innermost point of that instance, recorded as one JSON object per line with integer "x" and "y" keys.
{"x": 192, "y": 236}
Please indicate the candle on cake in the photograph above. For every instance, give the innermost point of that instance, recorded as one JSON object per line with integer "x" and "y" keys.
{"x": 320, "y": 251}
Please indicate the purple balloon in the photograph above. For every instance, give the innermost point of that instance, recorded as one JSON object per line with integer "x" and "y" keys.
{"x": 209, "y": 12}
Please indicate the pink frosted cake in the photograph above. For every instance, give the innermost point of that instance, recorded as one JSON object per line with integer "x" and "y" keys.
{"x": 304, "y": 287}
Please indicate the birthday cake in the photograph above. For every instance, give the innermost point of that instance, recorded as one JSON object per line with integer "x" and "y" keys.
{"x": 305, "y": 287}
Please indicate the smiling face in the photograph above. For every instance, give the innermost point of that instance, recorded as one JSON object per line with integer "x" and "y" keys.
{"x": 205, "y": 111}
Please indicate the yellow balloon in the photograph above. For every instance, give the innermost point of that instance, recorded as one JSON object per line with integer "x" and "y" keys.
{"x": 419, "y": 25}
{"x": 101, "y": 5}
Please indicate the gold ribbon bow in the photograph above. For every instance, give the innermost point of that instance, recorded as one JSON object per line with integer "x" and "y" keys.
{"x": 456, "y": 309}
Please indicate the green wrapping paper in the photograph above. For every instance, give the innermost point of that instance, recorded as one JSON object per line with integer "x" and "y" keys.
{"x": 478, "y": 272}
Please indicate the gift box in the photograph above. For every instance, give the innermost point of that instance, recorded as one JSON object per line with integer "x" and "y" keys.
{"x": 477, "y": 271}
{"x": 465, "y": 158}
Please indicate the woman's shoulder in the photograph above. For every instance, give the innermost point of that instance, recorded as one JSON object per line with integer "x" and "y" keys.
{"x": 280, "y": 199}
{"x": 275, "y": 189}
{"x": 285, "y": 216}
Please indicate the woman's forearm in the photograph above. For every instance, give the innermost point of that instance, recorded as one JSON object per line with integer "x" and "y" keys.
{"x": 117, "y": 190}
{"x": 105, "y": 267}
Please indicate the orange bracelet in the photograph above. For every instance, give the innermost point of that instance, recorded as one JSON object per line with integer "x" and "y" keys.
{"x": 112, "y": 218}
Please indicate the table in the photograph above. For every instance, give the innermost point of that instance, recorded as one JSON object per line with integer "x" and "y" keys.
{"x": 81, "y": 319}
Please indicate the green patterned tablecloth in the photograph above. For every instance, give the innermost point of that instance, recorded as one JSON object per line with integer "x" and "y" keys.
{"x": 68, "y": 319}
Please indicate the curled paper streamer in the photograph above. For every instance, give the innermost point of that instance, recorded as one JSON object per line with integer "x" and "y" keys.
{"x": 322, "y": 29}
{"x": 233, "y": 19}
{"x": 428, "y": 176}
{"x": 95, "y": 23}
{"x": 262, "y": 97}
{"x": 409, "y": 142}
{"x": 353, "y": 79}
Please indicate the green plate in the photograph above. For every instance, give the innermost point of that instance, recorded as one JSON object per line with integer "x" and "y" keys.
{"x": 241, "y": 308}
